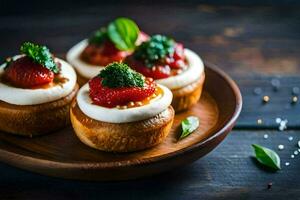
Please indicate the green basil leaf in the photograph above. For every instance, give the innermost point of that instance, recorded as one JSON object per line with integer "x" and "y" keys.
{"x": 123, "y": 33}
{"x": 267, "y": 157}
{"x": 189, "y": 125}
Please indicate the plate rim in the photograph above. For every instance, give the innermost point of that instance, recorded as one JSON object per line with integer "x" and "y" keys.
{"x": 44, "y": 163}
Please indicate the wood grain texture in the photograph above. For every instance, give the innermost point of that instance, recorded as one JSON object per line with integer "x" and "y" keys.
{"x": 228, "y": 172}
{"x": 279, "y": 105}
{"x": 239, "y": 39}
{"x": 61, "y": 154}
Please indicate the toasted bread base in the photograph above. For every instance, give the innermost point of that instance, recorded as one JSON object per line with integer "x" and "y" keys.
{"x": 123, "y": 137}
{"x": 187, "y": 96}
{"x": 33, "y": 120}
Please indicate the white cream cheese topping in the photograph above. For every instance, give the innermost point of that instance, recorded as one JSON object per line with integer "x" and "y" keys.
{"x": 20, "y": 96}
{"x": 115, "y": 115}
{"x": 86, "y": 70}
{"x": 193, "y": 72}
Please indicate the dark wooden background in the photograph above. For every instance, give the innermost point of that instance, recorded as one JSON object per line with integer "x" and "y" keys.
{"x": 254, "y": 42}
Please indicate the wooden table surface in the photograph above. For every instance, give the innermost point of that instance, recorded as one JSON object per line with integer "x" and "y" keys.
{"x": 252, "y": 44}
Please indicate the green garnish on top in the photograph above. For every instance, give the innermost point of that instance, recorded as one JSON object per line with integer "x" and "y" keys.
{"x": 99, "y": 36}
{"x": 155, "y": 49}
{"x": 39, "y": 54}
{"x": 122, "y": 32}
{"x": 120, "y": 75}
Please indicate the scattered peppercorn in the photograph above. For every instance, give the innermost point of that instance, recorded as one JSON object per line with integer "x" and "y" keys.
{"x": 280, "y": 147}
{"x": 259, "y": 121}
{"x": 266, "y": 99}
{"x": 294, "y": 99}
{"x": 270, "y": 185}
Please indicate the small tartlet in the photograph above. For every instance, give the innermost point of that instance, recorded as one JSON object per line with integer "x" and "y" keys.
{"x": 130, "y": 114}
{"x": 106, "y": 45}
{"x": 36, "y": 91}
{"x": 171, "y": 65}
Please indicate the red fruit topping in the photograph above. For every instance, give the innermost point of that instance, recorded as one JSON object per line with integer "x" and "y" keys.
{"x": 177, "y": 60}
{"x": 111, "y": 97}
{"x": 179, "y": 53}
{"x": 103, "y": 55}
{"x": 175, "y": 64}
{"x": 109, "y": 49}
{"x": 24, "y": 73}
{"x": 155, "y": 72}
{"x": 163, "y": 68}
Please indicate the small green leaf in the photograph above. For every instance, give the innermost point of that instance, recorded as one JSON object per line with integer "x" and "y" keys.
{"x": 267, "y": 156}
{"x": 39, "y": 54}
{"x": 123, "y": 32}
{"x": 189, "y": 125}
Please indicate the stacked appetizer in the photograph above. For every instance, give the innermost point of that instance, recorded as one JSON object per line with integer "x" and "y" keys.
{"x": 120, "y": 110}
{"x": 108, "y": 44}
{"x": 36, "y": 91}
{"x": 179, "y": 69}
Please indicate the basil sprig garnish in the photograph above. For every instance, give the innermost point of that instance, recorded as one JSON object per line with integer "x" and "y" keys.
{"x": 267, "y": 156}
{"x": 40, "y": 55}
{"x": 188, "y": 126}
{"x": 122, "y": 32}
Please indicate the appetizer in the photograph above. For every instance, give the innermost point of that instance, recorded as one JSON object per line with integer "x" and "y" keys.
{"x": 120, "y": 110}
{"x": 179, "y": 69}
{"x": 108, "y": 44}
{"x": 36, "y": 91}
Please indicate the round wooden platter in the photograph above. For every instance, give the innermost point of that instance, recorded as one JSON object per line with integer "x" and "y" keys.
{"x": 61, "y": 154}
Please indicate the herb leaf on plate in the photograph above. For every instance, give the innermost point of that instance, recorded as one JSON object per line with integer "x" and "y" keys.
{"x": 267, "y": 156}
{"x": 123, "y": 32}
{"x": 189, "y": 125}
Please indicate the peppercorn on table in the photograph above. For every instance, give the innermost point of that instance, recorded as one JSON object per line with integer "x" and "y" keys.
{"x": 258, "y": 46}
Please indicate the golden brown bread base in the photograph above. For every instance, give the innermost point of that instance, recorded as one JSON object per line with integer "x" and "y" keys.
{"x": 38, "y": 119}
{"x": 187, "y": 96}
{"x": 123, "y": 137}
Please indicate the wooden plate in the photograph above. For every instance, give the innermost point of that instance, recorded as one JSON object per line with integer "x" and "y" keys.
{"x": 61, "y": 154}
